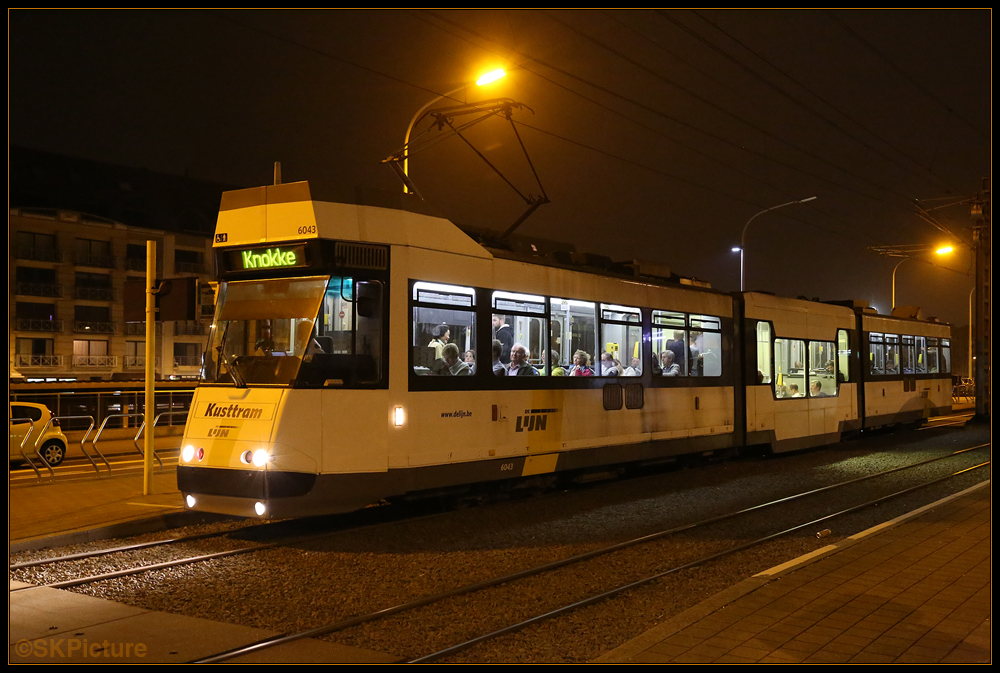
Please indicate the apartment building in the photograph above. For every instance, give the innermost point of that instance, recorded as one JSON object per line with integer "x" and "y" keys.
{"x": 66, "y": 277}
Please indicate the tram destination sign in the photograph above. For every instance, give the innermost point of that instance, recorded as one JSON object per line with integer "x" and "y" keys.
{"x": 265, "y": 258}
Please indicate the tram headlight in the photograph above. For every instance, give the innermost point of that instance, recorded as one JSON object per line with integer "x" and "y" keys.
{"x": 260, "y": 457}
{"x": 259, "y": 508}
{"x": 190, "y": 501}
{"x": 187, "y": 454}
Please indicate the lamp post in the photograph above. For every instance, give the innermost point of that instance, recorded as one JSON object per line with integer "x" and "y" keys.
{"x": 743, "y": 238}
{"x": 940, "y": 251}
{"x": 491, "y": 76}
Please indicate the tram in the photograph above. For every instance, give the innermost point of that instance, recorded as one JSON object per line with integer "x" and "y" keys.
{"x": 354, "y": 351}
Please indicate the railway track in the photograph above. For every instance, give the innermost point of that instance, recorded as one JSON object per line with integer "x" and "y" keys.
{"x": 510, "y": 581}
{"x": 439, "y": 612}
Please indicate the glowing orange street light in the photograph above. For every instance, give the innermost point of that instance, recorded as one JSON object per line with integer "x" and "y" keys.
{"x": 489, "y": 77}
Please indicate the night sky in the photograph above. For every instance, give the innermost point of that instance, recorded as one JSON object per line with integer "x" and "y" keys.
{"x": 656, "y": 134}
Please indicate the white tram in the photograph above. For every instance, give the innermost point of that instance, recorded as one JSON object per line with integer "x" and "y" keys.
{"x": 351, "y": 360}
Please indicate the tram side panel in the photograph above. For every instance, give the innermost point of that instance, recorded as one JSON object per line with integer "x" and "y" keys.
{"x": 906, "y": 369}
{"x": 785, "y": 340}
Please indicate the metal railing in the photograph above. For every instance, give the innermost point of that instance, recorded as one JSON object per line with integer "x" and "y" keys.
{"x": 189, "y": 329}
{"x": 135, "y": 440}
{"x": 138, "y": 362}
{"x": 38, "y": 254}
{"x": 95, "y": 361}
{"x": 95, "y": 327}
{"x": 26, "y": 360}
{"x": 187, "y": 361}
{"x": 100, "y": 261}
{"x": 39, "y": 289}
{"x": 190, "y": 267}
{"x": 38, "y": 453}
{"x": 33, "y": 325}
{"x": 139, "y": 328}
{"x": 95, "y": 293}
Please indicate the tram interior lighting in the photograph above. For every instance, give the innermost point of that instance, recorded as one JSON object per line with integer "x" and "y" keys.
{"x": 398, "y": 416}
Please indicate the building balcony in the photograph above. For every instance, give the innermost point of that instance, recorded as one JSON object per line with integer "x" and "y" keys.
{"x": 138, "y": 362}
{"x": 38, "y": 254}
{"x": 189, "y": 329}
{"x": 94, "y": 327}
{"x": 33, "y": 325}
{"x": 96, "y": 293}
{"x": 187, "y": 361}
{"x": 28, "y": 361}
{"x": 139, "y": 264}
{"x": 139, "y": 329}
{"x": 99, "y": 261}
{"x": 39, "y": 289}
{"x": 190, "y": 267}
{"x": 95, "y": 361}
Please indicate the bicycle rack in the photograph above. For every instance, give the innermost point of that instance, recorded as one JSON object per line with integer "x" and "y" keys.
{"x": 83, "y": 449}
{"x": 134, "y": 440}
{"x": 24, "y": 441}
{"x": 156, "y": 419}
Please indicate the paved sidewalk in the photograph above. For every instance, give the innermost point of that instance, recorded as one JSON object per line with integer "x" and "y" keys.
{"x": 915, "y": 590}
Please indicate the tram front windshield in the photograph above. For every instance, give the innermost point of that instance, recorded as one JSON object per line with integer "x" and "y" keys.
{"x": 287, "y": 331}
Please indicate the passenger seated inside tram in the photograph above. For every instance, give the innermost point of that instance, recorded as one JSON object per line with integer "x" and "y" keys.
{"x": 470, "y": 359}
{"x": 635, "y": 369}
{"x": 609, "y": 366}
{"x": 454, "y": 366}
{"x": 793, "y": 390}
{"x": 553, "y": 358}
{"x": 667, "y": 364}
{"x": 581, "y": 364}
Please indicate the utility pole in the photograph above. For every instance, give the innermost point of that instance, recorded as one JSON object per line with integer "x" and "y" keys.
{"x": 983, "y": 241}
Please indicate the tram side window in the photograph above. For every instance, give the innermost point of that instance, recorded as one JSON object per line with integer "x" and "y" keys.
{"x": 621, "y": 341}
{"x": 920, "y": 346}
{"x": 945, "y": 361}
{"x": 932, "y": 355}
{"x": 891, "y": 353}
{"x": 763, "y": 352}
{"x": 705, "y": 345}
{"x": 689, "y": 345}
{"x": 789, "y": 369}
{"x": 907, "y": 355}
{"x": 574, "y": 335}
{"x": 822, "y": 369}
{"x": 843, "y": 356}
{"x": 669, "y": 343}
{"x": 519, "y": 325}
{"x": 876, "y": 353}
{"x": 443, "y": 330}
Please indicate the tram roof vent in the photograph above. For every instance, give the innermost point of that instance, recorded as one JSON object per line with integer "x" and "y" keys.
{"x": 360, "y": 256}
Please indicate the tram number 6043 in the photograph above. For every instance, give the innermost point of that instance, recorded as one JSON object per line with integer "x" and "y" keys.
{"x": 506, "y": 467}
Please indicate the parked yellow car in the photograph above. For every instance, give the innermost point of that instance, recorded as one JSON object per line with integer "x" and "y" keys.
{"x": 51, "y": 446}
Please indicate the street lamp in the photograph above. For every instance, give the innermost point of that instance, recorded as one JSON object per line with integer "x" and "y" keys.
{"x": 743, "y": 238}
{"x": 489, "y": 77}
{"x": 940, "y": 251}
